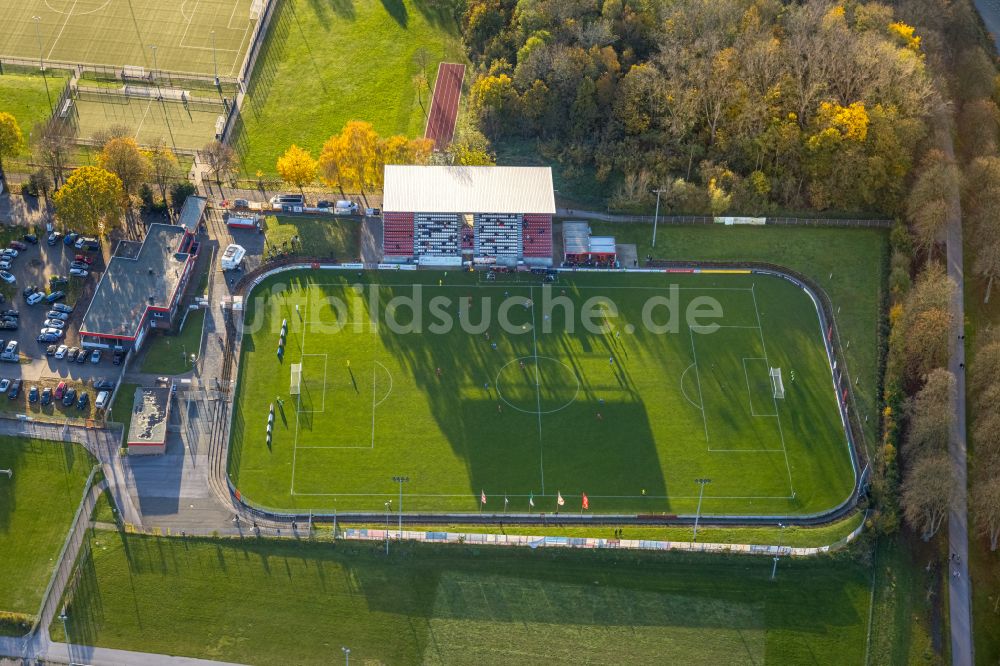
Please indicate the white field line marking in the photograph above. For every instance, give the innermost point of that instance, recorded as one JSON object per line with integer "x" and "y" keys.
{"x": 521, "y": 285}
{"x": 697, "y": 374}
{"x": 683, "y": 392}
{"x": 537, "y": 495}
{"x": 747, "y": 375}
{"x": 246, "y": 31}
{"x": 298, "y": 404}
{"x": 69, "y": 14}
{"x": 538, "y": 389}
{"x": 326, "y": 372}
{"x": 181, "y": 10}
{"x": 763, "y": 345}
{"x": 373, "y": 404}
{"x": 194, "y": 12}
{"x": 138, "y": 129}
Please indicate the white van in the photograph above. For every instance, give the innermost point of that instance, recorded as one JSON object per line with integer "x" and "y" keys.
{"x": 232, "y": 257}
{"x": 102, "y": 400}
{"x": 345, "y": 208}
{"x": 279, "y": 201}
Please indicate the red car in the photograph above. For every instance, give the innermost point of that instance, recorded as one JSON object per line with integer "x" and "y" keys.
{"x": 18, "y": 245}
{"x": 84, "y": 258}
{"x": 60, "y": 389}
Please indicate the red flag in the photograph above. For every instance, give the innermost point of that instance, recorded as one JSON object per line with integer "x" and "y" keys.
{"x": 482, "y": 496}
{"x": 586, "y": 502}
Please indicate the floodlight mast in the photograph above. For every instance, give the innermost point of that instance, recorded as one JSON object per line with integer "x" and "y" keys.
{"x": 697, "y": 515}
{"x": 400, "y": 480}
{"x": 41, "y": 61}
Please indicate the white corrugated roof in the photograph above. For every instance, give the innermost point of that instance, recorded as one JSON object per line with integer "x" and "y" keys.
{"x": 472, "y": 189}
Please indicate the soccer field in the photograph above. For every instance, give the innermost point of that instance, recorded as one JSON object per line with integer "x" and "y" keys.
{"x": 123, "y": 32}
{"x": 178, "y": 125}
{"x": 585, "y": 386}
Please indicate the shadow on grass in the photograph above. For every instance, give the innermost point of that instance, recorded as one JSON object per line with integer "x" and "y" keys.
{"x": 397, "y": 10}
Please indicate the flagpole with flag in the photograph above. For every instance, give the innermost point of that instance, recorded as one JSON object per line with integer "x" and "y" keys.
{"x": 506, "y": 501}
{"x": 559, "y": 500}
{"x": 584, "y": 504}
{"x": 531, "y": 501}
{"x": 482, "y": 500}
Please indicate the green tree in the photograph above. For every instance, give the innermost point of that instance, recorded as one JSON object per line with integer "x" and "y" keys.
{"x": 163, "y": 167}
{"x": 90, "y": 201}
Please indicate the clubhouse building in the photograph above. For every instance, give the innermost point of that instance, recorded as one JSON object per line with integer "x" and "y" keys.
{"x": 444, "y": 215}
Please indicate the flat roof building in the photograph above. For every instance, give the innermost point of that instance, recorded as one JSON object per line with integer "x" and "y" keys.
{"x": 140, "y": 289}
{"x": 147, "y": 433}
{"x": 444, "y": 214}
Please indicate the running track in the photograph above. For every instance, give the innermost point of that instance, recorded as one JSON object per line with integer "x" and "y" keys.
{"x": 444, "y": 104}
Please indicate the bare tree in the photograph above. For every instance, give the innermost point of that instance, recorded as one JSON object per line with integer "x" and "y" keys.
{"x": 929, "y": 202}
{"x": 116, "y": 131}
{"x": 928, "y": 490}
{"x": 221, "y": 159}
{"x": 932, "y": 413}
{"x": 986, "y": 507}
{"x": 53, "y": 145}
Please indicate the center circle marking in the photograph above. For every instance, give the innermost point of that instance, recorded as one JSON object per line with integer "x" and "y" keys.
{"x": 535, "y": 366}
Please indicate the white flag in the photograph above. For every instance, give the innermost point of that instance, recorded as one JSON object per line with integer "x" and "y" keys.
{"x": 559, "y": 500}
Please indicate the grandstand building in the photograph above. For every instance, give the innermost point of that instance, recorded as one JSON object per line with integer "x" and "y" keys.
{"x": 442, "y": 215}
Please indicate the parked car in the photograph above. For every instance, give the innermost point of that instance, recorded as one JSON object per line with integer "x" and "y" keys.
{"x": 102, "y": 399}
{"x": 15, "y": 390}
{"x": 53, "y": 238}
{"x": 46, "y": 395}
{"x": 71, "y": 353}
{"x": 57, "y": 332}
{"x": 58, "y": 280}
{"x": 60, "y": 389}
{"x": 55, "y": 296}
{"x": 104, "y": 384}
{"x": 51, "y": 350}
{"x": 82, "y": 401}
{"x": 82, "y": 356}
{"x": 70, "y": 238}
{"x": 5, "y": 264}
{"x": 4, "y": 385}
{"x": 61, "y": 351}
{"x": 324, "y": 204}
{"x": 28, "y": 291}
{"x": 30, "y": 238}
{"x": 54, "y": 323}
{"x": 79, "y": 272}
{"x": 80, "y": 264}
{"x": 10, "y": 313}
{"x": 7, "y": 277}
{"x": 373, "y": 212}
{"x": 8, "y": 325}
{"x": 117, "y": 358}
{"x": 87, "y": 244}
{"x": 10, "y": 352}
{"x": 33, "y": 394}
{"x": 47, "y": 338}
{"x": 18, "y": 245}
{"x": 344, "y": 207}
{"x": 35, "y": 297}
{"x": 95, "y": 356}
{"x": 62, "y": 307}
{"x": 83, "y": 258}
{"x": 69, "y": 397}
{"x": 9, "y": 252}
{"x": 55, "y": 314}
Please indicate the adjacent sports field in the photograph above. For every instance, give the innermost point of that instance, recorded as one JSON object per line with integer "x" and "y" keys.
{"x": 548, "y": 407}
{"x": 36, "y": 507}
{"x": 264, "y": 602}
{"x": 178, "y": 125}
{"x": 118, "y": 33}
{"x": 326, "y": 63}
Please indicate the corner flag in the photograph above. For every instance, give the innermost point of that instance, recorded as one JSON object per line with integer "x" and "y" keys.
{"x": 586, "y": 502}
{"x": 482, "y": 496}
{"x": 531, "y": 499}
{"x": 559, "y": 499}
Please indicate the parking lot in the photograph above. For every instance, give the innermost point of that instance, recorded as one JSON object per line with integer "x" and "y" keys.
{"x": 46, "y": 267}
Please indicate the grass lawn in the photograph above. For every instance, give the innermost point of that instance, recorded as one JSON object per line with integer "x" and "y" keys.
{"x": 170, "y": 354}
{"x": 764, "y": 536}
{"x": 336, "y": 238}
{"x": 549, "y": 404}
{"x": 263, "y": 602}
{"x": 36, "y": 507}
{"x": 23, "y": 96}
{"x": 324, "y": 64}
{"x": 855, "y": 258}
{"x": 121, "y": 408}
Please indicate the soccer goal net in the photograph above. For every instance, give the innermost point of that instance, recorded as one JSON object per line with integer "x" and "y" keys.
{"x": 296, "y": 379}
{"x": 776, "y": 383}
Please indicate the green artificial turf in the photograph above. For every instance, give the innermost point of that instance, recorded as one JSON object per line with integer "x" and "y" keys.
{"x": 853, "y": 257}
{"x": 36, "y": 507}
{"x": 170, "y": 354}
{"x": 561, "y": 410}
{"x": 261, "y": 602}
{"x": 23, "y": 96}
{"x": 325, "y": 64}
{"x": 322, "y": 238}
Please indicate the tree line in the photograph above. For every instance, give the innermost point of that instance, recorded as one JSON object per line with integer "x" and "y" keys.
{"x": 737, "y": 105}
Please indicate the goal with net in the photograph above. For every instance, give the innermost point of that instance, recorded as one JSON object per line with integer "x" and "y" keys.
{"x": 776, "y": 383}
{"x": 295, "y": 388}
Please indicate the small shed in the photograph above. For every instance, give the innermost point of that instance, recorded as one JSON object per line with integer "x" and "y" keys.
{"x": 576, "y": 242}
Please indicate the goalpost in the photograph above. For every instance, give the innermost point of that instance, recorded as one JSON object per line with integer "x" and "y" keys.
{"x": 296, "y": 379}
{"x": 777, "y": 384}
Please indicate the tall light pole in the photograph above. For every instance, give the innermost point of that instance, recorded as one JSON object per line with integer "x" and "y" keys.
{"x": 41, "y": 61}
{"x": 701, "y": 493}
{"x": 774, "y": 569}
{"x": 656, "y": 217}
{"x": 400, "y": 480}
{"x": 347, "y": 656}
{"x": 215, "y": 61}
{"x": 387, "y": 506}
{"x": 156, "y": 79}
